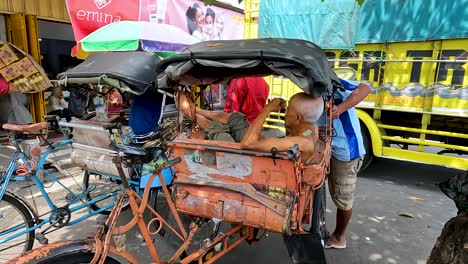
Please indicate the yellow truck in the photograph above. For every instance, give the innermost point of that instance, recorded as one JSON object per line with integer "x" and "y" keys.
{"x": 418, "y": 108}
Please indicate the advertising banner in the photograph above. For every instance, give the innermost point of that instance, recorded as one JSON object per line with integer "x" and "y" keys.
{"x": 194, "y": 17}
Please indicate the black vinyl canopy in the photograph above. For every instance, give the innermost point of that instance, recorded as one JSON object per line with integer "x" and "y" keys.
{"x": 135, "y": 69}
{"x": 210, "y": 62}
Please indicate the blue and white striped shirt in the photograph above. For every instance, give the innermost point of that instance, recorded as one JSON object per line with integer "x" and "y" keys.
{"x": 347, "y": 144}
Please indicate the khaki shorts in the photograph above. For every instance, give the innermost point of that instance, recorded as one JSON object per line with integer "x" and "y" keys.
{"x": 342, "y": 181}
{"x": 234, "y": 131}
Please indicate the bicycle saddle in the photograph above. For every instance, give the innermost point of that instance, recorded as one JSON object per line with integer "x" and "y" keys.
{"x": 129, "y": 150}
{"x": 30, "y": 129}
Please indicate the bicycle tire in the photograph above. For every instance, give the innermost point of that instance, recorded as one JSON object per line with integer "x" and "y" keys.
{"x": 95, "y": 206}
{"x": 319, "y": 226}
{"x": 72, "y": 258}
{"x": 12, "y": 201}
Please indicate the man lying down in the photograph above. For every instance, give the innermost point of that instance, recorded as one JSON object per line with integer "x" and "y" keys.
{"x": 301, "y": 114}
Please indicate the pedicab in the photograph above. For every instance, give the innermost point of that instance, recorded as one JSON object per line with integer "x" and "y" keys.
{"x": 219, "y": 182}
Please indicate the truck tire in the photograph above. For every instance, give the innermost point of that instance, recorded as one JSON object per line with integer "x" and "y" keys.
{"x": 368, "y": 147}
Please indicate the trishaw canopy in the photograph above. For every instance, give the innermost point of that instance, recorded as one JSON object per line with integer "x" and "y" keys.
{"x": 134, "y": 71}
{"x": 210, "y": 62}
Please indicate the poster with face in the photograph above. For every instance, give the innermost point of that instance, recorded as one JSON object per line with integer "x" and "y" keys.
{"x": 205, "y": 22}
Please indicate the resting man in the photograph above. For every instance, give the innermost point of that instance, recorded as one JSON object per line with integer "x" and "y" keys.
{"x": 302, "y": 113}
{"x": 247, "y": 95}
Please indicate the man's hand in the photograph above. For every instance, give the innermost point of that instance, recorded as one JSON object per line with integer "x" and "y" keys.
{"x": 336, "y": 112}
{"x": 276, "y": 105}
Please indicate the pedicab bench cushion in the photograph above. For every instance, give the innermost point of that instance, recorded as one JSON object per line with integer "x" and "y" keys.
{"x": 220, "y": 180}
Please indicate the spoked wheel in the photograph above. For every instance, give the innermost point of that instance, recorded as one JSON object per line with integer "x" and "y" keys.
{"x": 99, "y": 185}
{"x": 15, "y": 218}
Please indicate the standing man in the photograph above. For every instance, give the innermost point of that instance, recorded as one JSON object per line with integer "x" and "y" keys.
{"x": 248, "y": 96}
{"x": 347, "y": 155}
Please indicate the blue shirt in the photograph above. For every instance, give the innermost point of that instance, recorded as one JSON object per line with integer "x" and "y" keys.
{"x": 145, "y": 112}
{"x": 347, "y": 144}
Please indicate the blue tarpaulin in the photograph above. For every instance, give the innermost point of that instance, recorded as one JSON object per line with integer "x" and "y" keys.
{"x": 329, "y": 24}
{"x": 340, "y": 24}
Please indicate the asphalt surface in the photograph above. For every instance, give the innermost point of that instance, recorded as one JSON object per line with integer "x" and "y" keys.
{"x": 376, "y": 234}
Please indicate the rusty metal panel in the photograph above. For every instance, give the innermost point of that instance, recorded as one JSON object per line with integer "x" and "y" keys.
{"x": 241, "y": 188}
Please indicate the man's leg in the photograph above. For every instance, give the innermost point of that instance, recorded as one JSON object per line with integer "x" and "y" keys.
{"x": 342, "y": 182}
{"x": 219, "y": 116}
{"x": 238, "y": 126}
{"x": 202, "y": 116}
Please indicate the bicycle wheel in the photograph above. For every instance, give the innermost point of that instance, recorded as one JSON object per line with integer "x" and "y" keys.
{"x": 72, "y": 258}
{"x": 14, "y": 218}
{"x": 101, "y": 185}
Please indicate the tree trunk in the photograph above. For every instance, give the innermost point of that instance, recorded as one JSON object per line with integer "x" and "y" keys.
{"x": 452, "y": 245}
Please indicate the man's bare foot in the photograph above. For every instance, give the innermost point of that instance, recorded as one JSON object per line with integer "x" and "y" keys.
{"x": 184, "y": 104}
{"x": 333, "y": 242}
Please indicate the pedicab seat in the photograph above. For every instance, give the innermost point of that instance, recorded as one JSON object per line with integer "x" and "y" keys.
{"x": 220, "y": 180}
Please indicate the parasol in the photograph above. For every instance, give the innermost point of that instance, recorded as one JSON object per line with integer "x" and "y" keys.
{"x": 137, "y": 35}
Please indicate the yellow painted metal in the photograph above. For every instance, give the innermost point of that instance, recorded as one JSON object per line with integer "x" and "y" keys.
{"x": 424, "y": 157}
{"x": 426, "y": 143}
{"x": 37, "y": 99}
{"x": 277, "y": 114}
{"x": 426, "y": 131}
{"x": 251, "y": 13}
{"x": 282, "y": 129}
{"x": 17, "y": 28}
{"x": 374, "y": 132}
{"x": 23, "y": 33}
{"x": 274, "y": 120}
{"x": 399, "y": 74}
{"x": 55, "y": 10}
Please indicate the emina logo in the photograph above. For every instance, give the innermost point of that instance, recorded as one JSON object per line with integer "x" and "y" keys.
{"x": 102, "y": 3}
{"x": 97, "y": 15}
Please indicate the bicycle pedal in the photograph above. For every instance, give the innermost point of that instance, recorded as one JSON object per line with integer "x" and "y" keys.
{"x": 42, "y": 239}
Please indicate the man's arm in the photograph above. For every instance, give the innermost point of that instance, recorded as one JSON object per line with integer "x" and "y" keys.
{"x": 253, "y": 138}
{"x": 355, "y": 98}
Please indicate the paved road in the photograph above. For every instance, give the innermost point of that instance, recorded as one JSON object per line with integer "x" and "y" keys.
{"x": 377, "y": 234}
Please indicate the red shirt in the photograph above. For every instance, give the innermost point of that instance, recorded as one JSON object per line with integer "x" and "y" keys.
{"x": 248, "y": 96}
{"x": 4, "y": 87}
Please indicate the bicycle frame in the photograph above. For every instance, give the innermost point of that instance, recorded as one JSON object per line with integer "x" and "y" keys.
{"x": 9, "y": 175}
{"x": 102, "y": 239}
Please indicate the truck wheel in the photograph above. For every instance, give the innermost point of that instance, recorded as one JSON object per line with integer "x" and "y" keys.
{"x": 368, "y": 147}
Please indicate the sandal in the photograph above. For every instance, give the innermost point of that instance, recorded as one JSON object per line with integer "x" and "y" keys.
{"x": 330, "y": 244}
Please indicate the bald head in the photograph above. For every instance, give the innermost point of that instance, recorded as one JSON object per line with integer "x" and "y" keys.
{"x": 311, "y": 108}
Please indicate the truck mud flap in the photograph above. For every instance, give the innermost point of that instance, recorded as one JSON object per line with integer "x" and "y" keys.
{"x": 305, "y": 249}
